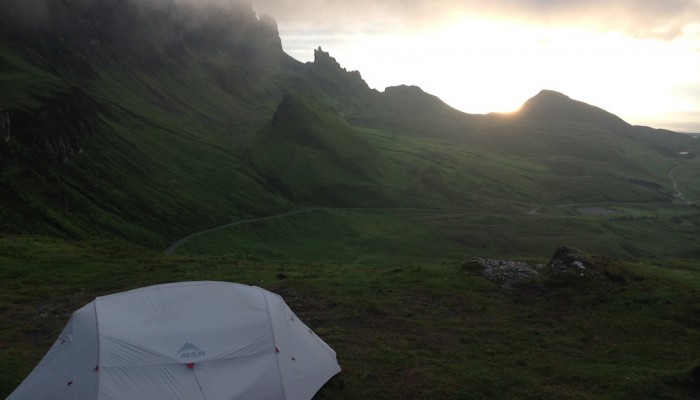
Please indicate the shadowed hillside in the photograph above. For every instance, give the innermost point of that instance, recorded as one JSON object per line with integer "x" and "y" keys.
{"x": 553, "y": 106}
{"x": 320, "y": 159}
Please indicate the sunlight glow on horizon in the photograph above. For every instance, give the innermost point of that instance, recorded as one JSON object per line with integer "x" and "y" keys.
{"x": 480, "y": 65}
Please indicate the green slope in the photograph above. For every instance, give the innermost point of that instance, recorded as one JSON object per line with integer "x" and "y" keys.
{"x": 157, "y": 160}
{"x": 412, "y": 331}
{"x": 152, "y": 139}
{"x": 319, "y": 159}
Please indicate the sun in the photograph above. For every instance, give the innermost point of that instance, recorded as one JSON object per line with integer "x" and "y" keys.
{"x": 481, "y": 65}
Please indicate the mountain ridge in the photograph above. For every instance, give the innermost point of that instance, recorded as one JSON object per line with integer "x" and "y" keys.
{"x": 186, "y": 111}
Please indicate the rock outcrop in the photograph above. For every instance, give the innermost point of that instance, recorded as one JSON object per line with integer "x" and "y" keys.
{"x": 269, "y": 33}
{"x": 56, "y": 131}
{"x": 505, "y": 272}
{"x": 109, "y": 32}
{"x": 329, "y": 74}
{"x": 568, "y": 259}
{"x": 4, "y": 125}
{"x": 323, "y": 59}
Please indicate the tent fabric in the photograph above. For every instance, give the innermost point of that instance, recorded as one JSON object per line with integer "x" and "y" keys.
{"x": 187, "y": 340}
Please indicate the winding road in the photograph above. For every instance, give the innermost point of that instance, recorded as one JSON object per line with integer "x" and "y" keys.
{"x": 174, "y": 246}
{"x": 675, "y": 185}
{"x": 678, "y": 195}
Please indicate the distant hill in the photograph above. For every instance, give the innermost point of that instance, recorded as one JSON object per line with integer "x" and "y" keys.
{"x": 147, "y": 121}
{"x": 320, "y": 159}
{"x": 549, "y": 105}
{"x": 412, "y": 100}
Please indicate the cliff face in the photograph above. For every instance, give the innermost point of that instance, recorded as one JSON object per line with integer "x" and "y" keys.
{"x": 138, "y": 86}
{"x": 81, "y": 35}
{"x": 81, "y": 41}
{"x": 4, "y": 125}
{"x": 54, "y": 133}
{"x": 327, "y": 74}
{"x": 328, "y": 68}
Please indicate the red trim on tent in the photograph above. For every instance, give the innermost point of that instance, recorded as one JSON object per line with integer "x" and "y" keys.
{"x": 190, "y": 365}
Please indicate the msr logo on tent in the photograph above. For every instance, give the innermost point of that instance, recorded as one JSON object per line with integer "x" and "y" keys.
{"x": 189, "y": 350}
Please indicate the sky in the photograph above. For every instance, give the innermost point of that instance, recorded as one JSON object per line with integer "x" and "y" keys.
{"x": 639, "y": 59}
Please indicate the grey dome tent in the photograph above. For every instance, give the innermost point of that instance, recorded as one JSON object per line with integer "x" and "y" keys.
{"x": 188, "y": 341}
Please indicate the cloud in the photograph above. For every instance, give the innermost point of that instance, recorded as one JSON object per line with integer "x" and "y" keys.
{"x": 23, "y": 13}
{"x": 688, "y": 122}
{"x": 663, "y": 19}
{"x": 660, "y": 19}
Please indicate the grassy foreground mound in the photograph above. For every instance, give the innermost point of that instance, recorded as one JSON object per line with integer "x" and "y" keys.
{"x": 620, "y": 330}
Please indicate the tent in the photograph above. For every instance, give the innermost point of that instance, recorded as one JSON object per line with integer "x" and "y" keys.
{"x": 189, "y": 341}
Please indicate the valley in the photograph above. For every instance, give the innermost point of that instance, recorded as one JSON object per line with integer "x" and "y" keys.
{"x": 143, "y": 143}
{"x": 605, "y": 223}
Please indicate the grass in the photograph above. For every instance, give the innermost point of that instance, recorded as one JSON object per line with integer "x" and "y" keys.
{"x": 23, "y": 83}
{"x": 687, "y": 177}
{"x": 404, "y": 331}
{"x": 369, "y": 237}
{"x": 147, "y": 161}
{"x": 395, "y": 236}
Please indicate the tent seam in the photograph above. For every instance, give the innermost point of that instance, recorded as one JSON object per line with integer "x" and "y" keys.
{"x": 274, "y": 342}
{"x": 99, "y": 352}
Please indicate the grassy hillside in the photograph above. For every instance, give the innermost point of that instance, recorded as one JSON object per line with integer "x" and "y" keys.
{"x": 316, "y": 158}
{"x": 196, "y": 127}
{"x": 397, "y": 236}
{"x": 157, "y": 160}
{"x": 412, "y": 330}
